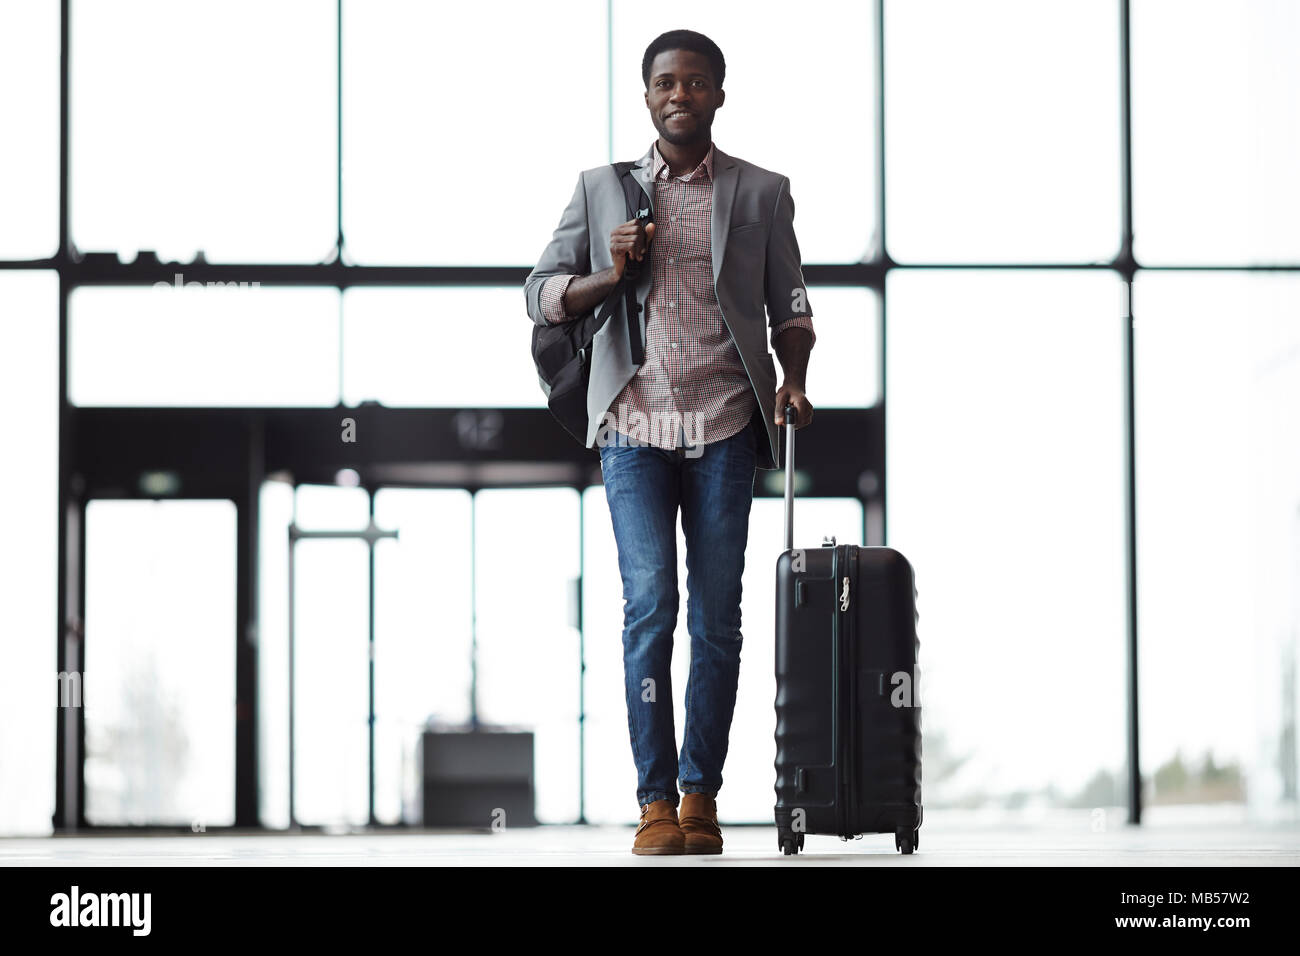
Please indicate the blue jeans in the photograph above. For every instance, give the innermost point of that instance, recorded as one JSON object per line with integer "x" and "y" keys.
{"x": 713, "y": 485}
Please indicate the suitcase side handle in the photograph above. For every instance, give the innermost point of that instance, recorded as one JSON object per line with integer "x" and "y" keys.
{"x": 789, "y": 476}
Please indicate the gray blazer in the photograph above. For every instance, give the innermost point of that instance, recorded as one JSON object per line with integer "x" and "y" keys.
{"x": 755, "y": 264}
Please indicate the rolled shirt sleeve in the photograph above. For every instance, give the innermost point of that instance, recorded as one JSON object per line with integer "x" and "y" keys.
{"x": 552, "y": 298}
{"x": 795, "y": 322}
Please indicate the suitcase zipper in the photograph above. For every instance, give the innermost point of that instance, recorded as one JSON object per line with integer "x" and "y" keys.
{"x": 837, "y": 628}
{"x": 850, "y": 646}
{"x": 845, "y": 692}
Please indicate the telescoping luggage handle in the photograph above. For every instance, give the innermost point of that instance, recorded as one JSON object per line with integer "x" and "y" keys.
{"x": 789, "y": 476}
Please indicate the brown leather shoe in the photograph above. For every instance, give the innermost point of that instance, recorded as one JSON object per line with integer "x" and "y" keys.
{"x": 699, "y": 822}
{"x": 658, "y": 834}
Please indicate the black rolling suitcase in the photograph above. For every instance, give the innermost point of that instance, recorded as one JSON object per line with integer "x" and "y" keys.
{"x": 848, "y": 718}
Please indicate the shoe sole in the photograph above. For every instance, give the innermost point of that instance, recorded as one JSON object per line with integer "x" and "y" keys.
{"x": 658, "y": 850}
{"x": 711, "y": 850}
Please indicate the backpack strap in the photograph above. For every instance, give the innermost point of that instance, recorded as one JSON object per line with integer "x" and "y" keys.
{"x": 638, "y": 207}
{"x": 638, "y": 203}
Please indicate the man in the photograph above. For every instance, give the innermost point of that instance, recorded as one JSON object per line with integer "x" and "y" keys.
{"x": 689, "y": 426}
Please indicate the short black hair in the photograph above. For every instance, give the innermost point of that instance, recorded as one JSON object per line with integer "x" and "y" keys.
{"x": 684, "y": 40}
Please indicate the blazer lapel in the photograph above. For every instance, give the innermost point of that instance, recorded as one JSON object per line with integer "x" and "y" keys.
{"x": 645, "y": 169}
{"x": 725, "y": 175}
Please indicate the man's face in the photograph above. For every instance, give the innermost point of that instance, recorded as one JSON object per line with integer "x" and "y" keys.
{"x": 682, "y": 97}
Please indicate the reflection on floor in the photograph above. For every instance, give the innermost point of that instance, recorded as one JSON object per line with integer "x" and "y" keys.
{"x": 943, "y": 843}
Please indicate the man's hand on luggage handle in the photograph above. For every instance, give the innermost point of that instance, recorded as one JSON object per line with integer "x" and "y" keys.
{"x": 632, "y": 239}
{"x": 793, "y": 346}
{"x": 789, "y": 394}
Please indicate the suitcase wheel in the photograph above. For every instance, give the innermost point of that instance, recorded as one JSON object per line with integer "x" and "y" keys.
{"x": 790, "y": 843}
{"x": 906, "y": 840}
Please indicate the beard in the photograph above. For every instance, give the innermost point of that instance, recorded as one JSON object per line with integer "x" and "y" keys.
{"x": 697, "y": 133}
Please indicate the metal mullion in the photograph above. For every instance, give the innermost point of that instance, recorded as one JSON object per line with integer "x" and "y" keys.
{"x": 1132, "y": 752}
{"x": 884, "y": 264}
{"x": 69, "y": 780}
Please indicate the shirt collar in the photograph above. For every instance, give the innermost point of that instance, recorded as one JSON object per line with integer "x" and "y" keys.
{"x": 661, "y": 165}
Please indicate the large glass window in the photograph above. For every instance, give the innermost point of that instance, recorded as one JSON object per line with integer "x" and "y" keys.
{"x": 159, "y": 682}
{"x": 423, "y": 622}
{"x": 29, "y": 126}
{"x": 1005, "y": 483}
{"x": 331, "y": 665}
{"x": 1218, "y": 406}
{"x": 844, "y": 367}
{"x": 204, "y": 127}
{"x": 465, "y": 126}
{"x": 203, "y": 346}
{"x": 331, "y": 659}
{"x": 275, "y": 512}
{"x": 525, "y": 561}
{"x": 29, "y": 381}
{"x": 1002, "y": 130}
{"x": 1216, "y": 131}
{"x": 446, "y": 346}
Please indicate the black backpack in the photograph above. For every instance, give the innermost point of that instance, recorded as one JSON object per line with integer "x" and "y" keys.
{"x": 562, "y": 352}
